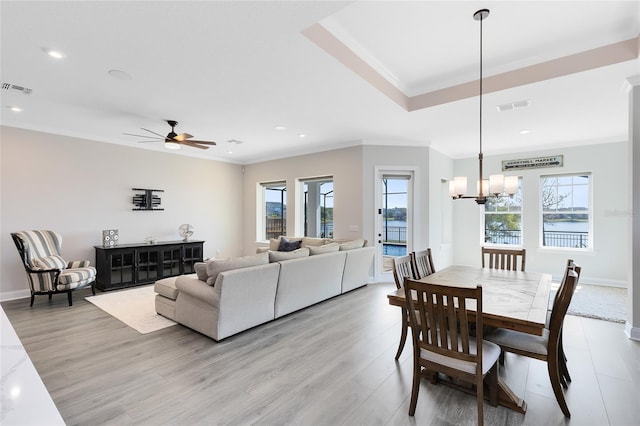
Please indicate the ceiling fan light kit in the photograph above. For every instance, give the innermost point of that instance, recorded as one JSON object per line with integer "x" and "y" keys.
{"x": 496, "y": 185}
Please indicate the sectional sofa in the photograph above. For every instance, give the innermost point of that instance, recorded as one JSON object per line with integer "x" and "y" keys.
{"x": 226, "y": 297}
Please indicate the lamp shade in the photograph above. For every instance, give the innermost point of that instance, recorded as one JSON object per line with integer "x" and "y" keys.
{"x": 485, "y": 186}
{"x": 458, "y": 186}
{"x": 496, "y": 184}
{"x": 511, "y": 184}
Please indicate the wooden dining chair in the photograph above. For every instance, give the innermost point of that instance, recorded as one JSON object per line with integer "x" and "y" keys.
{"x": 546, "y": 347}
{"x": 446, "y": 346}
{"x": 565, "y": 377}
{"x": 422, "y": 263}
{"x": 499, "y": 258}
{"x": 402, "y": 269}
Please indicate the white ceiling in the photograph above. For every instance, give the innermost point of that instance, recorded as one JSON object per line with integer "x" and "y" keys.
{"x": 235, "y": 70}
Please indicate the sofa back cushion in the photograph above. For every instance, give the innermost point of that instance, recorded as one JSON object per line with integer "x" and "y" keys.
{"x": 350, "y": 245}
{"x": 214, "y": 267}
{"x": 277, "y": 256}
{"x": 327, "y": 248}
{"x": 201, "y": 270}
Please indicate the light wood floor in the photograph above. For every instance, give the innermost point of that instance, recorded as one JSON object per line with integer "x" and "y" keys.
{"x": 329, "y": 364}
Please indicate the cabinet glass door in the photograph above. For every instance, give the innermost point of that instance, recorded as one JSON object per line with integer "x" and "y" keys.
{"x": 171, "y": 261}
{"x": 147, "y": 265}
{"x": 121, "y": 265}
{"x": 192, "y": 254}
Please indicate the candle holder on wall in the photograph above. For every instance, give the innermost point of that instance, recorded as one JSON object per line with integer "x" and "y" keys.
{"x": 148, "y": 200}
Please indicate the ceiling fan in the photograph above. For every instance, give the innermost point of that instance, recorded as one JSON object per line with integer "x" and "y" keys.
{"x": 173, "y": 140}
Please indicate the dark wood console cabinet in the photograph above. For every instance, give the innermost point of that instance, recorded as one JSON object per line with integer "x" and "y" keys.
{"x": 129, "y": 265}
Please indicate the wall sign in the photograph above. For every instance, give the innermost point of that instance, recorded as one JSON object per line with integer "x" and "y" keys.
{"x": 533, "y": 163}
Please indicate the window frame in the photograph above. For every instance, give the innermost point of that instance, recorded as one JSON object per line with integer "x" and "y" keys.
{"x": 589, "y": 212}
{"x": 261, "y": 226}
{"x": 483, "y": 213}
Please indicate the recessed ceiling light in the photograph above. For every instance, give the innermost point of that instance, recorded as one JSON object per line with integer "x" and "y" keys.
{"x": 280, "y": 128}
{"x": 54, "y": 53}
{"x": 524, "y": 131}
{"x": 302, "y": 135}
{"x": 15, "y": 108}
{"x": 120, "y": 75}
{"x": 229, "y": 152}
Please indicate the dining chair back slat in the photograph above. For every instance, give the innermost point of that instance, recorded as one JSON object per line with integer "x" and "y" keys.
{"x": 422, "y": 263}
{"x": 499, "y": 258}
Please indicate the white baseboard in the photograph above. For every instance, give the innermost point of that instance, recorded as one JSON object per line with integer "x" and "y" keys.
{"x": 632, "y": 333}
{"x": 602, "y": 282}
{"x": 15, "y": 294}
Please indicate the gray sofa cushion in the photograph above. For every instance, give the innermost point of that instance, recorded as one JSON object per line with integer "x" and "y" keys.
{"x": 350, "y": 245}
{"x": 326, "y": 248}
{"x": 201, "y": 270}
{"x": 214, "y": 267}
{"x": 277, "y": 256}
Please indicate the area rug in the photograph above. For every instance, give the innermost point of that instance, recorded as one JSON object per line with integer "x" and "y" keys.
{"x": 599, "y": 302}
{"x": 135, "y": 307}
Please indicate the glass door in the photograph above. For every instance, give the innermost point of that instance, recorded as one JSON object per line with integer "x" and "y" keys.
{"x": 394, "y": 220}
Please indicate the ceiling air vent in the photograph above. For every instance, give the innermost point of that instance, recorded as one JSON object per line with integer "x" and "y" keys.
{"x": 513, "y": 105}
{"x": 15, "y": 87}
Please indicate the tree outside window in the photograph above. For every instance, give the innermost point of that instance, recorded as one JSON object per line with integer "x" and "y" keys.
{"x": 566, "y": 214}
{"x": 503, "y": 219}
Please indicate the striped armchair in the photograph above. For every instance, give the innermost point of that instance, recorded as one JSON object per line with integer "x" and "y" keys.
{"x": 47, "y": 271}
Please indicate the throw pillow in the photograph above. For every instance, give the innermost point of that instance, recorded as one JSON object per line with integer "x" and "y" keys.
{"x": 215, "y": 266}
{"x": 327, "y": 248}
{"x": 201, "y": 270}
{"x": 352, "y": 245}
{"x": 50, "y": 262}
{"x": 278, "y": 256}
{"x": 287, "y": 245}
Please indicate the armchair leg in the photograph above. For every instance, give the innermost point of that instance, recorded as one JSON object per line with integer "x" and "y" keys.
{"x": 69, "y": 297}
{"x": 50, "y": 296}
{"x": 33, "y": 296}
{"x": 93, "y": 288}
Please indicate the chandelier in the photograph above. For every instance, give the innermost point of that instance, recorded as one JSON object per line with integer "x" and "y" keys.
{"x": 496, "y": 185}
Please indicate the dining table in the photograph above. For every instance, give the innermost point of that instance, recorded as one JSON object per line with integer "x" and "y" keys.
{"x": 514, "y": 300}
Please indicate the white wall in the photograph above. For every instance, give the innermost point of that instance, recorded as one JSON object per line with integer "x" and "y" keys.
{"x": 79, "y": 187}
{"x": 607, "y": 263}
{"x": 345, "y": 165}
{"x": 440, "y": 209}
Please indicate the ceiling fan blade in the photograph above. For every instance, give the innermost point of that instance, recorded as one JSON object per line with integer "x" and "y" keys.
{"x": 192, "y": 144}
{"x": 157, "y": 134}
{"x": 182, "y": 136}
{"x": 140, "y": 136}
{"x": 149, "y": 141}
{"x": 204, "y": 142}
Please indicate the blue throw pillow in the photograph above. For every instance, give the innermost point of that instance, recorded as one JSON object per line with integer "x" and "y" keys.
{"x": 286, "y": 245}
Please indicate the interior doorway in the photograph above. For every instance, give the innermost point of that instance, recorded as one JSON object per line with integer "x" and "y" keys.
{"x": 394, "y": 219}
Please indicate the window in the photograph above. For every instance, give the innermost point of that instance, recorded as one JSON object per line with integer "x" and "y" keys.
{"x": 275, "y": 209}
{"x": 503, "y": 219}
{"x": 318, "y": 207}
{"x": 566, "y": 216}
